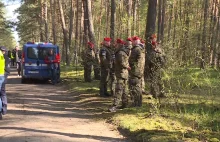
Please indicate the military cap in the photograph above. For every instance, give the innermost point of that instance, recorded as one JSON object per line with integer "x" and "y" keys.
{"x": 135, "y": 38}
{"x": 120, "y": 41}
{"x": 91, "y": 44}
{"x": 129, "y": 39}
{"x": 107, "y": 39}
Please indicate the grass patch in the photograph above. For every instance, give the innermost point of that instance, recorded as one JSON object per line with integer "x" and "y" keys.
{"x": 75, "y": 81}
{"x": 190, "y": 113}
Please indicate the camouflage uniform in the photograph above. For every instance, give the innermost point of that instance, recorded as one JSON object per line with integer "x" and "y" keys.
{"x": 136, "y": 73}
{"x": 113, "y": 79}
{"x": 105, "y": 55}
{"x": 88, "y": 60}
{"x": 157, "y": 60}
{"x": 97, "y": 65}
{"x": 143, "y": 64}
{"x": 121, "y": 72}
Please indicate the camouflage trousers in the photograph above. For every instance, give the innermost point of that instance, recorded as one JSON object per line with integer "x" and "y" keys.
{"x": 113, "y": 82}
{"x": 87, "y": 73}
{"x": 135, "y": 91}
{"x": 97, "y": 75}
{"x": 104, "y": 81}
{"x": 121, "y": 92}
{"x": 156, "y": 83}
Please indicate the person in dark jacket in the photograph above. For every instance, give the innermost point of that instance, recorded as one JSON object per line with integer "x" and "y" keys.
{"x": 52, "y": 61}
{"x": 3, "y": 88}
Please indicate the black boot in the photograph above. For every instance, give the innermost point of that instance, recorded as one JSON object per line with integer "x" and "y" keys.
{"x": 0, "y": 116}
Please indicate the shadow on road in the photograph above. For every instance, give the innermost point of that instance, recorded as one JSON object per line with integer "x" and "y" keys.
{"x": 40, "y": 99}
{"x": 101, "y": 138}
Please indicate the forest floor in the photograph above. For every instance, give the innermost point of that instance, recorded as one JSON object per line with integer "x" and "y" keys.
{"x": 189, "y": 113}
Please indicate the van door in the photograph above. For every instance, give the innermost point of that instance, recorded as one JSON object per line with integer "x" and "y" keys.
{"x": 43, "y": 53}
{"x": 32, "y": 66}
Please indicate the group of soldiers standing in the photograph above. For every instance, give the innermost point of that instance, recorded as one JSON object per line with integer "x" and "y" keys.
{"x": 122, "y": 65}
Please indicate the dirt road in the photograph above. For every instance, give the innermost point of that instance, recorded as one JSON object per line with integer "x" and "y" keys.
{"x": 44, "y": 113}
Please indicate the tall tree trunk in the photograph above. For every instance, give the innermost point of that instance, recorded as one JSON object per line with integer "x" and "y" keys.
{"x": 216, "y": 55}
{"x": 150, "y": 29}
{"x": 151, "y": 20}
{"x": 65, "y": 33}
{"x": 41, "y": 20}
{"x": 129, "y": 10}
{"x": 214, "y": 34}
{"x": 170, "y": 22}
{"x": 85, "y": 38}
{"x": 204, "y": 42}
{"x": 81, "y": 40}
{"x": 71, "y": 21}
{"x": 90, "y": 23}
{"x": 46, "y": 22}
{"x": 76, "y": 31}
{"x": 134, "y": 16}
{"x": 112, "y": 27}
{"x": 100, "y": 22}
{"x": 72, "y": 16}
{"x": 163, "y": 19}
{"x": 175, "y": 24}
{"x": 159, "y": 19}
{"x": 53, "y": 17}
{"x": 107, "y": 9}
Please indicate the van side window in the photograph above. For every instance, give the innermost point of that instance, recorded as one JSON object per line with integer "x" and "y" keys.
{"x": 32, "y": 53}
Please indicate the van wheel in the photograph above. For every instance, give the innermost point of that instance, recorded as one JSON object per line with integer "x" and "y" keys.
{"x": 23, "y": 80}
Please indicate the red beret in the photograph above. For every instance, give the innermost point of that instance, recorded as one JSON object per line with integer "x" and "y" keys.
{"x": 129, "y": 39}
{"x": 135, "y": 38}
{"x": 91, "y": 44}
{"x": 107, "y": 39}
{"x": 120, "y": 41}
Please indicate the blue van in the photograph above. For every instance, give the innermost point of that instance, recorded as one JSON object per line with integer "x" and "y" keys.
{"x": 33, "y": 65}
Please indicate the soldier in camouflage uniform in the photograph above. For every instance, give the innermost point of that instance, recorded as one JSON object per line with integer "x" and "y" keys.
{"x": 142, "y": 44}
{"x": 88, "y": 57}
{"x": 136, "y": 72}
{"x": 105, "y": 55}
{"x": 157, "y": 60}
{"x": 112, "y": 72}
{"x": 121, "y": 72}
{"x": 128, "y": 43}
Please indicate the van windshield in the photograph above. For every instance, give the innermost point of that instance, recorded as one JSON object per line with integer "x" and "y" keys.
{"x": 39, "y": 53}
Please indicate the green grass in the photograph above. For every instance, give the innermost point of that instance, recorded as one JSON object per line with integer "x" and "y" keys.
{"x": 75, "y": 81}
{"x": 191, "y": 112}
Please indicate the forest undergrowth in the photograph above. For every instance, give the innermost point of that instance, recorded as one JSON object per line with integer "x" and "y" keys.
{"x": 190, "y": 112}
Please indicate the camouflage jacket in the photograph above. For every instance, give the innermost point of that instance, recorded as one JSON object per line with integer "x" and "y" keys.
{"x": 121, "y": 62}
{"x": 106, "y": 57}
{"x": 136, "y": 61}
{"x": 156, "y": 57}
{"x": 88, "y": 57}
